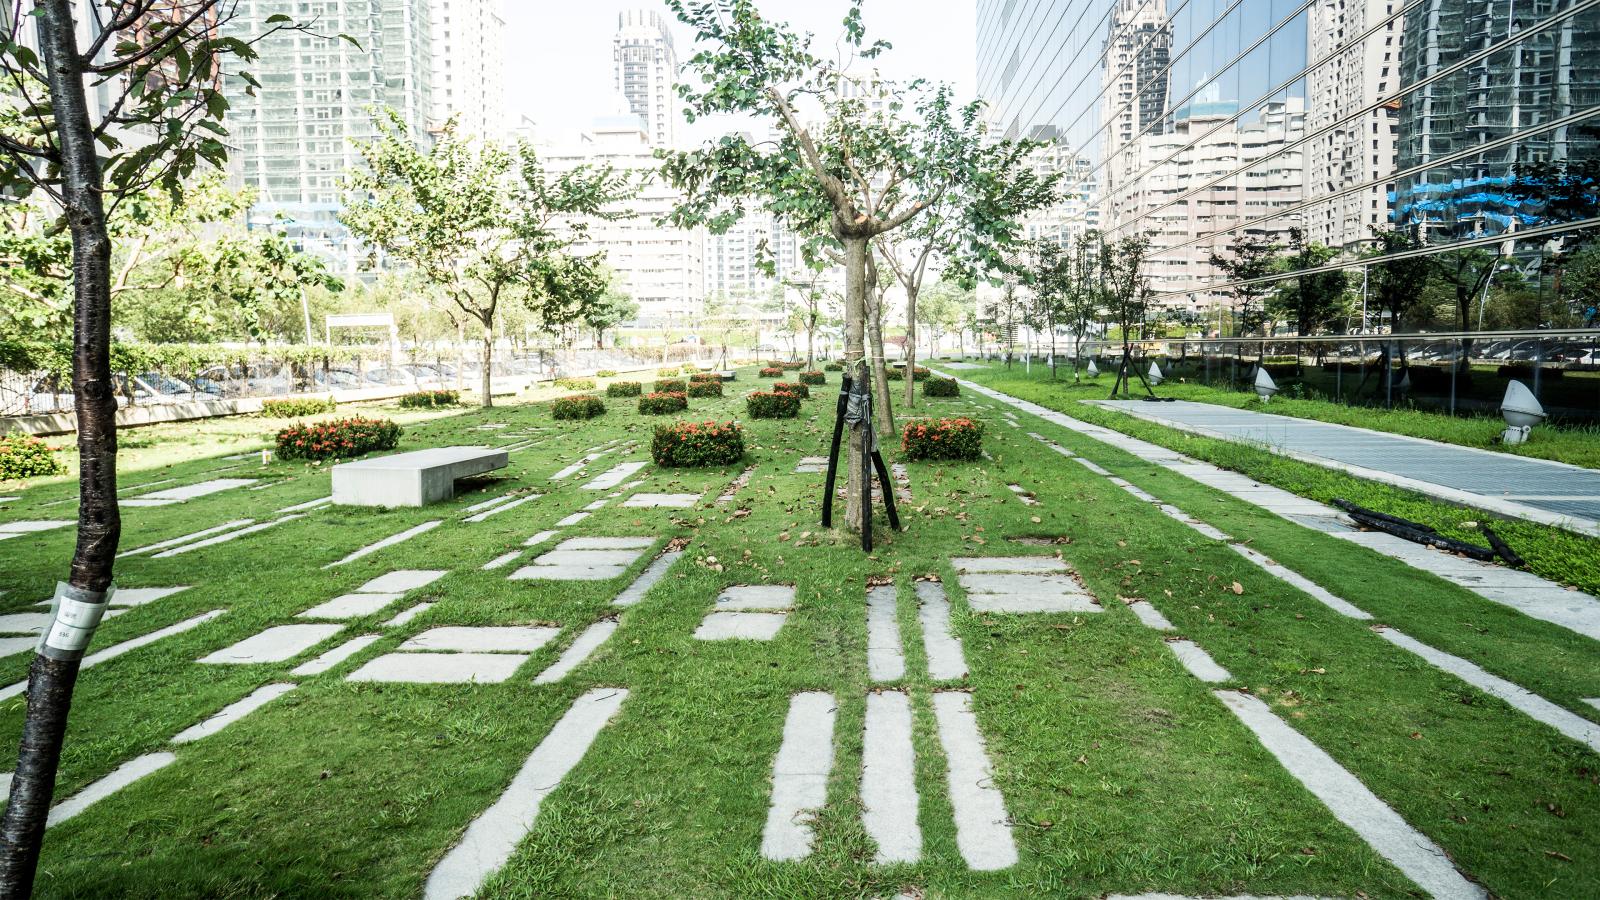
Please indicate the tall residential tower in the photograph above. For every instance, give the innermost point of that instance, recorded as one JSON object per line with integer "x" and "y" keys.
{"x": 646, "y": 71}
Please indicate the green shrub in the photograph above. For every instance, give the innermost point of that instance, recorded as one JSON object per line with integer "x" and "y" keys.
{"x": 606, "y": 373}
{"x": 706, "y": 376}
{"x": 296, "y": 407}
{"x": 813, "y": 378}
{"x": 624, "y": 389}
{"x": 788, "y": 387}
{"x": 772, "y": 372}
{"x": 772, "y": 405}
{"x": 670, "y": 386}
{"x": 25, "y": 456}
{"x": 941, "y": 387}
{"x": 663, "y": 402}
{"x": 774, "y": 363}
{"x": 694, "y": 444}
{"x": 578, "y": 406}
{"x": 576, "y": 384}
{"x": 959, "y": 438}
{"x": 834, "y": 367}
{"x": 705, "y": 389}
{"x": 429, "y": 399}
{"x": 669, "y": 371}
{"x": 900, "y": 374}
{"x": 337, "y": 439}
{"x": 794, "y": 365}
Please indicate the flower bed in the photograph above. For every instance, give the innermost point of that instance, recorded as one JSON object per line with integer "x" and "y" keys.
{"x": 337, "y": 439}
{"x": 813, "y": 378}
{"x": 671, "y": 385}
{"x": 794, "y": 365}
{"x": 706, "y": 376}
{"x": 624, "y": 389}
{"x": 772, "y": 405}
{"x": 295, "y": 407}
{"x": 663, "y": 402}
{"x": 774, "y": 363}
{"x": 695, "y": 444}
{"x": 576, "y": 384}
{"x": 705, "y": 389}
{"x": 578, "y": 406}
{"x": 772, "y": 372}
{"x": 789, "y": 387}
{"x": 900, "y": 374}
{"x": 429, "y": 399}
{"x": 25, "y": 456}
{"x": 959, "y": 438}
{"x": 834, "y": 367}
{"x": 941, "y": 387}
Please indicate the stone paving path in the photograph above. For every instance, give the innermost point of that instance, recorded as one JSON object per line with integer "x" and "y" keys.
{"x": 1535, "y": 489}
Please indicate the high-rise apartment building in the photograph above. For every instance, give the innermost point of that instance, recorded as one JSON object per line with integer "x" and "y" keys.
{"x": 1523, "y": 103}
{"x": 469, "y": 67}
{"x": 660, "y": 267}
{"x": 1350, "y": 154}
{"x": 733, "y": 259}
{"x": 646, "y": 70}
{"x": 297, "y": 132}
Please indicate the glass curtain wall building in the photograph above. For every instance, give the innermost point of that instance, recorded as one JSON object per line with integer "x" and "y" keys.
{"x": 1201, "y": 123}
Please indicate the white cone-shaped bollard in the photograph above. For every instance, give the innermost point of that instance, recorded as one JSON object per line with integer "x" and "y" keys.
{"x": 1154, "y": 376}
{"x": 1093, "y": 370}
{"x": 1521, "y": 410}
{"x": 1265, "y": 386}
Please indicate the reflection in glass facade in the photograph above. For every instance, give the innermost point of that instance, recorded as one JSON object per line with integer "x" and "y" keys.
{"x": 1204, "y": 122}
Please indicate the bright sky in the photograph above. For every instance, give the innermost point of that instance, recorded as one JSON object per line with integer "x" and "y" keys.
{"x": 558, "y": 62}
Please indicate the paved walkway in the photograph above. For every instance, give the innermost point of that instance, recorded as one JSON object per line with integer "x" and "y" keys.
{"x": 1534, "y": 489}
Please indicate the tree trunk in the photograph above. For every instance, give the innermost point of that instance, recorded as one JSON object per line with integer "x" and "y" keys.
{"x": 883, "y": 412}
{"x": 911, "y": 346}
{"x": 54, "y": 671}
{"x": 488, "y": 365}
{"x": 855, "y": 317}
{"x": 811, "y": 342}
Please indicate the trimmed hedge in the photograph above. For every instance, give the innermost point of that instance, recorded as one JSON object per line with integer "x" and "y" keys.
{"x": 813, "y": 378}
{"x": 774, "y": 363}
{"x": 576, "y": 384}
{"x": 772, "y": 372}
{"x": 25, "y": 456}
{"x": 696, "y": 444}
{"x": 705, "y": 389}
{"x": 900, "y": 374}
{"x": 959, "y": 438}
{"x": 772, "y": 405}
{"x": 706, "y": 376}
{"x": 663, "y": 402}
{"x": 624, "y": 389}
{"x": 789, "y": 387}
{"x": 834, "y": 367}
{"x": 578, "y": 406}
{"x": 941, "y": 387}
{"x": 429, "y": 399}
{"x": 670, "y": 385}
{"x": 606, "y": 373}
{"x": 337, "y": 439}
{"x": 295, "y": 407}
{"x": 669, "y": 371}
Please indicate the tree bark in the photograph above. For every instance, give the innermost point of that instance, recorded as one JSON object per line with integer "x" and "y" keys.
{"x": 488, "y": 364}
{"x": 53, "y": 674}
{"x": 911, "y": 346}
{"x": 883, "y": 409}
{"x": 855, "y": 317}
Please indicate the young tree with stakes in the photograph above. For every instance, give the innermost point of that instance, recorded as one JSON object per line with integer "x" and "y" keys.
{"x": 1051, "y": 278}
{"x": 162, "y": 63}
{"x": 1128, "y": 297}
{"x": 855, "y": 175}
{"x": 1084, "y": 301}
{"x": 484, "y": 224}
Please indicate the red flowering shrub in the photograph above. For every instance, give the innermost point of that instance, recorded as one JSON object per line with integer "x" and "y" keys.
{"x": 794, "y": 364}
{"x": 25, "y": 456}
{"x": 624, "y": 389}
{"x": 337, "y": 439}
{"x": 789, "y": 387}
{"x": 694, "y": 444}
{"x": 705, "y": 388}
{"x": 669, "y": 385}
{"x": 900, "y": 374}
{"x": 578, "y": 406}
{"x": 706, "y": 376}
{"x": 959, "y": 438}
{"x": 772, "y": 372}
{"x": 772, "y": 405}
{"x": 662, "y": 402}
{"x": 813, "y": 377}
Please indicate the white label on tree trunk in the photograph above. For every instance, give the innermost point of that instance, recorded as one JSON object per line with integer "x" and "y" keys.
{"x": 77, "y": 614}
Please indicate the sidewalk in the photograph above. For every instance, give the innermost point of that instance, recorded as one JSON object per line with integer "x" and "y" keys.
{"x": 1534, "y": 489}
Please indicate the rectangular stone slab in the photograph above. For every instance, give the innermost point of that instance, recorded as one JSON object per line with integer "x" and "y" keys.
{"x": 487, "y": 639}
{"x": 568, "y": 573}
{"x": 190, "y": 492}
{"x": 1008, "y": 564}
{"x": 606, "y": 543}
{"x": 411, "y": 479}
{"x": 440, "y": 668}
{"x": 350, "y": 606}
{"x": 399, "y": 582}
{"x": 756, "y": 597}
{"x": 673, "y": 501}
{"x": 749, "y": 626}
{"x": 560, "y": 557}
{"x": 276, "y": 644}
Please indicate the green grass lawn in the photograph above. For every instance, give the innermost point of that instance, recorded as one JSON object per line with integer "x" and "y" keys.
{"x": 1121, "y": 773}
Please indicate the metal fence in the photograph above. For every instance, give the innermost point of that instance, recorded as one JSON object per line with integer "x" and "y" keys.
{"x": 1455, "y": 372}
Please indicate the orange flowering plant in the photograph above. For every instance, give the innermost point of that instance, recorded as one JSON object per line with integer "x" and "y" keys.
{"x": 694, "y": 444}
{"x": 955, "y": 438}
{"x": 338, "y": 438}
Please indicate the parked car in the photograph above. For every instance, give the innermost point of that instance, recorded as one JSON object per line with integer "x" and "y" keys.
{"x": 166, "y": 385}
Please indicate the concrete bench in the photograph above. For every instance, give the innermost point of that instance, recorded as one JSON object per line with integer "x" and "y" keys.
{"x": 411, "y": 479}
